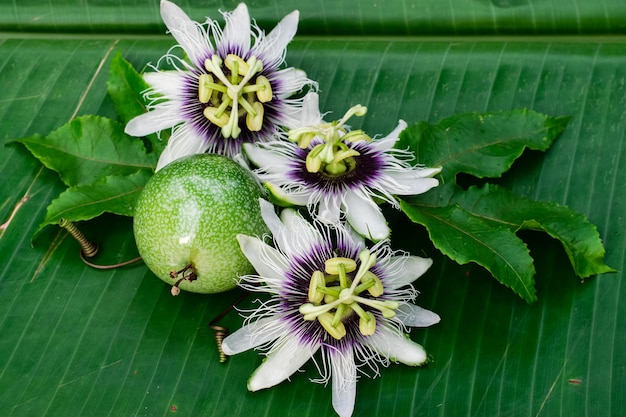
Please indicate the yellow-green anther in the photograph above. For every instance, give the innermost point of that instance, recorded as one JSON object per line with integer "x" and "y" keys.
{"x": 338, "y": 331}
{"x": 376, "y": 289}
{"x": 341, "y": 155}
{"x": 313, "y": 164}
{"x": 303, "y": 135}
{"x": 305, "y": 139}
{"x": 293, "y": 135}
{"x": 254, "y": 121}
{"x": 264, "y": 94}
{"x": 314, "y": 153}
{"x": 204, "y": 89}
{"x": 317, "y": 283}
{"x": 220, "y": 120}
{"x": 367, "y": 325}
{"x": 387, "y": 312}
{"x": 332, "y": 266}
{"x": 356, "y": 136}
{"x": 236, "y": 64}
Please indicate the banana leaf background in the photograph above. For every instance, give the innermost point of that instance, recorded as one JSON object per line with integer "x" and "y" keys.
{"x": 75, "y": 341}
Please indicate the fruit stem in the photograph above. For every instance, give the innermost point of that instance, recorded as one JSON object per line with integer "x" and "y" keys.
{"x": 188, "y": 274}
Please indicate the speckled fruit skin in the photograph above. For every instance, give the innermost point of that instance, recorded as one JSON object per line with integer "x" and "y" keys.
{"x": 190, "y": 212}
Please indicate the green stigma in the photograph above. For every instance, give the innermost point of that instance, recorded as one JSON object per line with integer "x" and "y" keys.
{"x": 333, "y": 157}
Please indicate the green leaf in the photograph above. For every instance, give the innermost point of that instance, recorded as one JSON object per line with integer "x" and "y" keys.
{"x": 90, "y": 148}
{"x": 578, "y": 236}
{"x": 466, "y": 238}
{"x": 112, "y": 194}
{"x": 126, "y": 87}
{"x": 483, "y": 145}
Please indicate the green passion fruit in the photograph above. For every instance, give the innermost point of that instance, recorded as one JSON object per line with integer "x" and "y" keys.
{"x": 187, "y": 218}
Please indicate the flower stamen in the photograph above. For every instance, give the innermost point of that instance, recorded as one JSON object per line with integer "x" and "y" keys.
{"x": 333, "y": 157}
{"x": 227, "y": 109}
{"x": 337, "y": 331}
{"x": 330, "y": 305}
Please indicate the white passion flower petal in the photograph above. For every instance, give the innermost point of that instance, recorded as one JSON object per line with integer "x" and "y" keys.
{"x": 184, "y": 143}
{"x": 344, "y": 382}
{"x": 287, "y": 198}
{"x": 329, "y": 210}
{"x": 299, "y": 236}
{"x": 187, "y": 33}
{"x": 292, "y": 79}
{"x": 397, "y": 347}
{"x": 167, "y": 83}
{"x": 264, "y": 156}
{"x": 290, "y": 231}
{"x": 152, "y": 121}
{"x": 406, "y": 269}
{"x": 237, "y": 30}
{"x": 390, "y": 140}
{"x": 415, "y": 316}
{"x": 267, "y": 261}
{"x": 275, "y": 43}
{"x": 271, "y": 219}
{"x": 252, "y": 335}
{"x": 416, "y": 181}
{"x": 282, "y": 361}
{"x": 365, "y": 217}
{"x": 310, "y": 115}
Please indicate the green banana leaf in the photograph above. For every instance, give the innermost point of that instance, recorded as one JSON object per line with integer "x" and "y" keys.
{"x": 75, "y": 341}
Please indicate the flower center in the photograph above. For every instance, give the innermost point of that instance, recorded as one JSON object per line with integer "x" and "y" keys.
{"x": 234, "y": 88}
{"x": 334, "y": 295}
{"x": 332, "y": 157}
